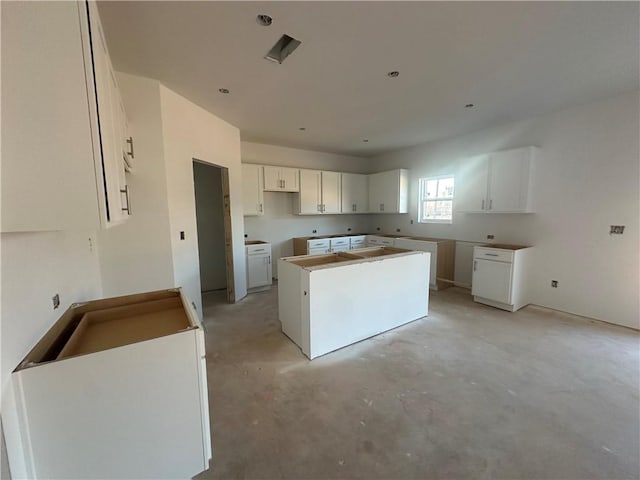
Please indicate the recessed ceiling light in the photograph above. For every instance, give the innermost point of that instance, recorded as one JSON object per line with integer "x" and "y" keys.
{"x": 365, "y": 140}
{"x": 264, "y": 20}
{"x": 223, "y": 90}
{"x": 393, "y": 74}
{"x": 468, "y": 105}
{"x": 302, "y": 129}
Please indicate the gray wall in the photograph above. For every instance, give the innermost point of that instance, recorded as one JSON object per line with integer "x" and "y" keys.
{"x": 210, "y": 221}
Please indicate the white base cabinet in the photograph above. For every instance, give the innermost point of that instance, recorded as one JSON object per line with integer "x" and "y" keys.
{"x": 501, "y": 276}
{"x": 116, "y": 389}
{"x": 259, "y": 268}
{"x": 443, "y": 254}
{"x": 330, "y": 301}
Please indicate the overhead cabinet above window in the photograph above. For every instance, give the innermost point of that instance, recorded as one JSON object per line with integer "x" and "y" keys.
{"x": 64, "y": 140}
{"x": 499, "y": 182}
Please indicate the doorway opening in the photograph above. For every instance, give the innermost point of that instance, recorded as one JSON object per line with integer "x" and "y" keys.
{"x": 213, "y": 223}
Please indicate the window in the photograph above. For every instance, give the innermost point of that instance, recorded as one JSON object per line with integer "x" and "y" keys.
{"x": 435, "y": 200}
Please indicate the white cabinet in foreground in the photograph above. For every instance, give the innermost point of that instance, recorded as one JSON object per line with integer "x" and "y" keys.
{"x": 117, "y": 388}
{"x": 500, "y": 275}
{"x": 326, "y": 302}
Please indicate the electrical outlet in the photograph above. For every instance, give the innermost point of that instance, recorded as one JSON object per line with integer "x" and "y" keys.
{"x": 56, "y": 301}
{"x": 378, "y": 229}
{"x": 246, "y": 235}
{"x": 181, "y": 235}
{"x": 411, "y": 222}
{"x": 348, "y": 229}
{"x": 398, "y": 230}
{"x": 314, "y": 231}
{"x": 491, "y": 237}
{"x": 616, "y": 230}
{"x": 554, "y": 283}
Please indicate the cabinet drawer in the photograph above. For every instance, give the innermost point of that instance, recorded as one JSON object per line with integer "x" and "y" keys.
{"x": 339, "y": 242}
{"x": 319, "y": 243}
{"x": 259, "y": 249}
{"x": 497, "y": 254}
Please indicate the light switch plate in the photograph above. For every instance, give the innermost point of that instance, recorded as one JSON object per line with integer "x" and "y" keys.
{"x": 616, "y": 230}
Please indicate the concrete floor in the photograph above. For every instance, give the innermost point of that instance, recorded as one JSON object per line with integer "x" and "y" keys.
{"x": 468, "y": 392}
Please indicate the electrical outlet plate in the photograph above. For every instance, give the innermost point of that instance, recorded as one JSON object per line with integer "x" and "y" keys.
{"x": 554, "y": 283}
{"x": 616, "y": 230}
{"x": 56, "y": 301}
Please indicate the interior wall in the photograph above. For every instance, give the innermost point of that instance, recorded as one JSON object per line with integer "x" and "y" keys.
{"x": 279, "y": 224}
{"x": 210, "y": 223}
{"x": 136, "y": 255}
{"x": 586, "y": 178}
{"x": 191, "y": 133}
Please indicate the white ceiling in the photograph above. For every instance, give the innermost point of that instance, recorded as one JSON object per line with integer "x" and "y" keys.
{"x": 510, "y": 59}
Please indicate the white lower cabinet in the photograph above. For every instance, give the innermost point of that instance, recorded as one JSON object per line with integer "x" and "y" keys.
{"x": 330, "y": 301}
{"x": 357, "y": 241}
{"x": 379, "y": 240}
{"x": 117, "y": 388}
{"x": 339, "y": 244}
{"x": 500, "y": 276}
{"x": 259, "y": 268}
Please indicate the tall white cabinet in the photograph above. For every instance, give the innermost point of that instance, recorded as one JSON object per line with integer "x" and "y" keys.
{"x": 499, "y": 182}
{"x": 388, "y": 192}
{"x": 63, "y": 130}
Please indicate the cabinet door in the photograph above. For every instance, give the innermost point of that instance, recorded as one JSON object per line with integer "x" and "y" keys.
{"x": 272, "y": 179}
{"x": 330, "y": 192}
{"x": 355, "y": 193}
{"x": 492, "y": 280}
{"x": 252, "y": 195}
{"x": 310, "y": 197}
{"x": 48, "y": 174}
{"x": 509, "y": 180}
{"x": 289, "y": 177}
{"x": 471, "y": 185}
{"x": 258, "y": 270}
{"x": 108, "y": 123}
{"x": 376, "y": 192}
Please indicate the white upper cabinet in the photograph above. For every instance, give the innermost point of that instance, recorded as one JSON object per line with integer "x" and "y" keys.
{"x": 355, "y": 193}
{"x": 319, "y": 192}
{"x": 252, "y": 190}
{"x": 61, "y": 149}
{"x": 496, "y": 183}
{"x": 471, "y": 185}
{"x": 281, "y": 179}
{"x": 388, "y": 192}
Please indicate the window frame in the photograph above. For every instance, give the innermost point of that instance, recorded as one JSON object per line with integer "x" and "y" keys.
{"x": 422, "y": 187}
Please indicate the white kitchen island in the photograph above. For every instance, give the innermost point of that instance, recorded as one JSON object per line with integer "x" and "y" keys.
{"x": 327, "y": 302}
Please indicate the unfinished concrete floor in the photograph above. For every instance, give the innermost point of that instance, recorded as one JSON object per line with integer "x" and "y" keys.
{"x": 467, "y": 392}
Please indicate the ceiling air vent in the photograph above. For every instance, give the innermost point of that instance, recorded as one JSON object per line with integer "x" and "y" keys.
{"x": 282, "y": 49}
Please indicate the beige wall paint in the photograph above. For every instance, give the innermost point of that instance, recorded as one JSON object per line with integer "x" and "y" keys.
{"x": 190, "y": 132}
{"x": 586, "y": 178}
